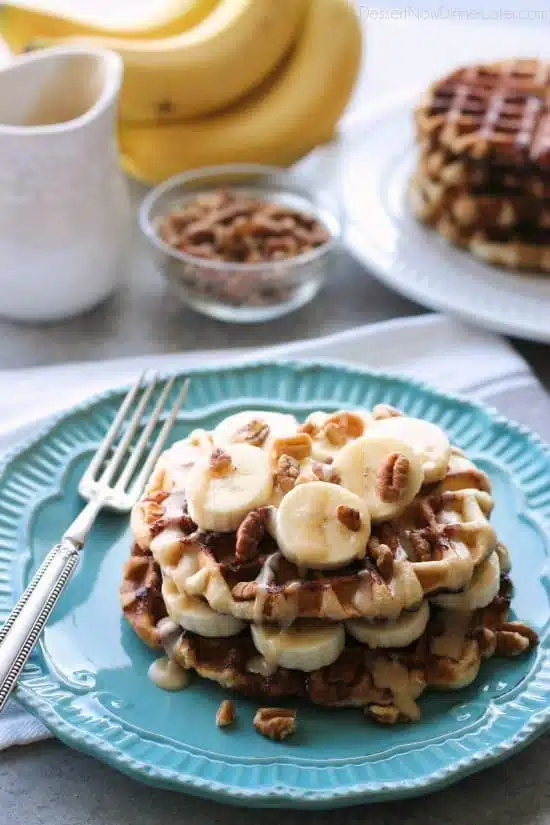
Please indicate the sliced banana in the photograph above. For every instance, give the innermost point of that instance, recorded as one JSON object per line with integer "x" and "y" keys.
{"x": 399, "y": 633}
{"x": 255, "y": 427}
{"x": 195, "y": 615}
{"x": 332, "y": 431}
{"x": 481, "y": 591}
{"x": 321, "y": 525}
{"x": 224, "y": 486}
{"x": 300, "y": 647}
{"x": 427, "y": 440}
{"x": 362, "y": 467}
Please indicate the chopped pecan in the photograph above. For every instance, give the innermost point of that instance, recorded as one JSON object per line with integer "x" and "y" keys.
{"x": 220, "y": 462}
{"x": 244, "y": 591}
{"x": 382, "y": 557}
{"x": 225, "y": 714}
{"x": 275, "y": 723}
{"x": 309, "y": 428}
{"x": 393, "y": 477}
{"x": 384, "y": 714}
{"x": 349, "y": 517}
{"x": 296, "y": 446}
{"x": 382, "y": 411}
{"x": 250, "y": 533}
{"x": 335, "y": 434}
{"x": 286, "y": 475}
{"x": 514, "y": 638}
{"x": 256, "y": 433}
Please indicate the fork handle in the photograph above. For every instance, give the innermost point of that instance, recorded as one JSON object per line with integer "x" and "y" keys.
{"x": 26, "y": 622}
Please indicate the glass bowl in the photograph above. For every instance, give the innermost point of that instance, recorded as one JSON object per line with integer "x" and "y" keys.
{"x": 244, "y": 292}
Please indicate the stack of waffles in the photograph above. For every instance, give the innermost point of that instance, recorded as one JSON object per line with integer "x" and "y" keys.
{"x": 349, "y": 560}
{"x": 483, "y": 174}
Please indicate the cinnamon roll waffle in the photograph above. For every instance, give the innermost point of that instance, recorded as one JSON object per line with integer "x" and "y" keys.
{"x": 359, "y": 581}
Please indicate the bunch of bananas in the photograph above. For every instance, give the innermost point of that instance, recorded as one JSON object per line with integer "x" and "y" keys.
{"x": 217, "y": 81}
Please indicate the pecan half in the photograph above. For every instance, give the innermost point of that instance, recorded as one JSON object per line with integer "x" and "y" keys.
{"x": 220, "y": 462}
{"x": 336, "y": 434}
{"x": 296, "y": 446}
{"x": 287, "y": 472}
{"x": 514, "y": 638}
{"x": 244, "y": 591}
{"x": 393, "y": 477}
{"x": 225, "y": 714}
{"x": 349, "y": 517}
{"x": 256, "y": 433}
{"x": 250, "y": 533}
{"x": 275, "y": 723}
{"x": 382, "y": 557}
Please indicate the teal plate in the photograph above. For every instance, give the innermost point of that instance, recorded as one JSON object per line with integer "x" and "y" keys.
{"x": 89, "y": 684}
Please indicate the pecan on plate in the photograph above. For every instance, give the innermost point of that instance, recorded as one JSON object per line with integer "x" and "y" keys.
{"x": 393, "y": 477}
{"x": 275, "y": 723}
{"x": 225, "y": 714}
{"x": 514, "y": 638}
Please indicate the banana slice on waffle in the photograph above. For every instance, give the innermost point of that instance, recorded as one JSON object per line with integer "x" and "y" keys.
{"x": 481, "y": 591}
{"x": 223, "y": 487}
{"x": 427, "y": 440}
{"x": 400, "y": 633}
{"x": 320, "y": 525}
{"x": 258, "y": 428}
{"x": 302, "y": 647}
{"x": 195, "y": 615}
{"x": 383, "y": 470}
{"x": 330, "y": 432}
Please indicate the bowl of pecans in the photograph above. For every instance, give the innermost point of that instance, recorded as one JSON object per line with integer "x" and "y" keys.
{"x": 243, "y": 243}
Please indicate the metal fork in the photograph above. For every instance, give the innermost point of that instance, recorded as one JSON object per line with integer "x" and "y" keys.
{"x": 98, "y": 486}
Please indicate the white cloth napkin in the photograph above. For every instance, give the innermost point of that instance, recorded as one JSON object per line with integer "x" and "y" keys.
{"x": 430, "y": 348}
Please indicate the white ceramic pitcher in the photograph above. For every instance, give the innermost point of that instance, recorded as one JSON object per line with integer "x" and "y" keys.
{"x": 64, "y": 204}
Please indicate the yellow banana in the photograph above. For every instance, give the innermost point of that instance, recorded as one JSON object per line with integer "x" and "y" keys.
{"x": 293, "y": 112}
{"x": 20, "y": 25}
{"x": 209, "y": 67}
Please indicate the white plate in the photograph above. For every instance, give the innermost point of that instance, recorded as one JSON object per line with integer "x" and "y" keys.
{"x": 377, "y": 160}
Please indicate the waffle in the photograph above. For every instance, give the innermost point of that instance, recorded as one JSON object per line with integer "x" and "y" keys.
{"x": 523, "y": 247}
{"x": 386, "y": 683}
{"x": 480, "y": 177}
{"x": 483, "y": 173}
{"x": 482, "y": 210}
{"x": 494, "y": 112}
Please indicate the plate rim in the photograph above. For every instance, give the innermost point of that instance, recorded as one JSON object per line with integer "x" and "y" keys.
{"x": 280, "y": 795}
{"x": 368, "y": 256}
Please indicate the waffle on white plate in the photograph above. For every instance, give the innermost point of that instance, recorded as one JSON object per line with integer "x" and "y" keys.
{"x": 349, "y": 560}
{"x": 483, "y": 174}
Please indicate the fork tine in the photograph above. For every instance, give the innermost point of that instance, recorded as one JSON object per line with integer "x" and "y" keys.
{"x": 112, "y": 432}
{"x": 144, "y": 438}
{"x": 141, "y": 480}
{"x": 125, "y": 441}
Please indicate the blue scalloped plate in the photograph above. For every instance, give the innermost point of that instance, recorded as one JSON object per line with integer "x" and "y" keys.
{"x": 89, "y": 683}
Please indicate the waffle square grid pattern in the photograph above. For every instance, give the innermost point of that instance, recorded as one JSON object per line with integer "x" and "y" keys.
{"x": 349, "y": 560}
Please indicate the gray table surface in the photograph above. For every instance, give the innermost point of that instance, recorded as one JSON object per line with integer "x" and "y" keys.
{"x": 46, "y": 782}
